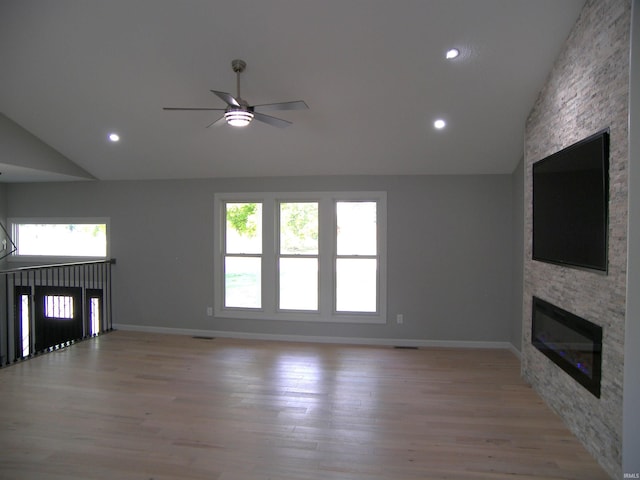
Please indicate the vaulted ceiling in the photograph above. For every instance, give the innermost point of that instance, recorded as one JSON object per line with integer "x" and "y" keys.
{"x": 373, "y": 73}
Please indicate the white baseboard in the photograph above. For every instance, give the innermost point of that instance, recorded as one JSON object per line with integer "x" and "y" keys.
{"x": 401, "y": 342}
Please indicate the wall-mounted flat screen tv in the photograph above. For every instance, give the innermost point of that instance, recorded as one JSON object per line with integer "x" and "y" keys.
{"x": 570, "y": 205}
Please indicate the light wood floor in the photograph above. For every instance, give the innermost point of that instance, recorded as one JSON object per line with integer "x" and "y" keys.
{"x": 146, "y": 406}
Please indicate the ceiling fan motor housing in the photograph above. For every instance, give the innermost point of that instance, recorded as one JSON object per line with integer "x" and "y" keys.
{"x": 238, "y": 65}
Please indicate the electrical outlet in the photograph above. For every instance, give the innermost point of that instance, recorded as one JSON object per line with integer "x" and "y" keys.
{"x": 400, "y": 318}
{"x": 209, "y": 311}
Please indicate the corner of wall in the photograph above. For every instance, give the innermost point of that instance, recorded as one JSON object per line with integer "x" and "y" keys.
{"x": 517, "y": 189}
{"x": 3, "y": 214}
{"x": 631, "y": 418}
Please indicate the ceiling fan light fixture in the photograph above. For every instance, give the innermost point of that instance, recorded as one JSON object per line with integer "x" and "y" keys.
{"x": 238, "y": 118}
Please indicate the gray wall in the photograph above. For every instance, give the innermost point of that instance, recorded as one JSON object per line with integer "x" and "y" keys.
{"x": 587, "y": 90}
{"x": 3, "y": 214}
{"x": 449, "y": 251}
{"x": 631, "y": 422}
{"x": 3, "y": 311}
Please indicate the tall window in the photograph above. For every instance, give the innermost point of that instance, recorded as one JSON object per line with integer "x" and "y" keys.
{"x": 243, "y": 255}
{"x": 298, "y": 256}
{"x": 23, "y": 316}
{"x": 301, "y": 256}
{"x": 356, "y": 256}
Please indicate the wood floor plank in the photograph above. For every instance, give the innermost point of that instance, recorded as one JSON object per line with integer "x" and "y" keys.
{"x": 145, "y": 406}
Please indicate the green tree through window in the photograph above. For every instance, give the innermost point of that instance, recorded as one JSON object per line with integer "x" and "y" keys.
{"x": 242, "y": 217}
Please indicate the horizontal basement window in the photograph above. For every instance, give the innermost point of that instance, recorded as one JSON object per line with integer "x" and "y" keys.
{"x": 74, "y": 238}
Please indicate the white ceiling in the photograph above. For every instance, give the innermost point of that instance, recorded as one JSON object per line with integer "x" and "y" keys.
{"x": 372, "y": 72}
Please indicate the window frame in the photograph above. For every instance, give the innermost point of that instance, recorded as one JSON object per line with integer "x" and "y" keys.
{"x": 326, "y": 312}
{"x": 17, "y": 257}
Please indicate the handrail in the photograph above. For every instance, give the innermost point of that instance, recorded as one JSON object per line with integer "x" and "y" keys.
{"x": 112, "y": 261}
{"x": 50, "y": 306}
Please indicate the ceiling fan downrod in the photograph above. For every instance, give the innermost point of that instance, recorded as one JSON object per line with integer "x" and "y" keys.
{"x": 238, "y": 66}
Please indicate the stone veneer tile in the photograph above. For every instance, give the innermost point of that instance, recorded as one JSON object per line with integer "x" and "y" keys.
{"x": 586, "y": 91}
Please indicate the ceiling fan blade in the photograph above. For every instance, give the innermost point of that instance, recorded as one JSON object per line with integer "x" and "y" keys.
{"x": 227, "y": 98}
{"x": 218, "y": 122}
{"x": 195, "y": 108}
{"x": 295, "y": 105}
{"x": 273, "y": 121}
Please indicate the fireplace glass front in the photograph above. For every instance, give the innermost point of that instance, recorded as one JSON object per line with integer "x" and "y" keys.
{"x": 571, "y": 342}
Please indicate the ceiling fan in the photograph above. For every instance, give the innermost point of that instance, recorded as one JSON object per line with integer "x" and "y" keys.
{"x": 239, "y": 113}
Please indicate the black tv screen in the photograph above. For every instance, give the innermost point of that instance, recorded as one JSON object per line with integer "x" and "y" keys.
{"x": 570, "y": 205}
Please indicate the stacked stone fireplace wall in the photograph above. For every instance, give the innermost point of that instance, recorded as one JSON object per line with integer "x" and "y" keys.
{"x": 587, "y": 91}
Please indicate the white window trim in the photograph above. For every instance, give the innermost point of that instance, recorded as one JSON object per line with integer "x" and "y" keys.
{"x": 44, "y": 259}
{"x": 326, "y": 312}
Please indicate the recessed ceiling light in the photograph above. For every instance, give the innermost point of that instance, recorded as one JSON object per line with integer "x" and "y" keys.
{"x": 439, "y": 124}
{"x": 452, "y": 53}
{"x": 114, "y": 137}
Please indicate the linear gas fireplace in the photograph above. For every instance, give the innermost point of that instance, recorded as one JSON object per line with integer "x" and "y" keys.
{"x": 571, "y": 342}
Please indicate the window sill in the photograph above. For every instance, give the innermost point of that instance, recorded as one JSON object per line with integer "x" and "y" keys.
{"x": 357, "y": 318}
{"x": 49, "y": 259}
